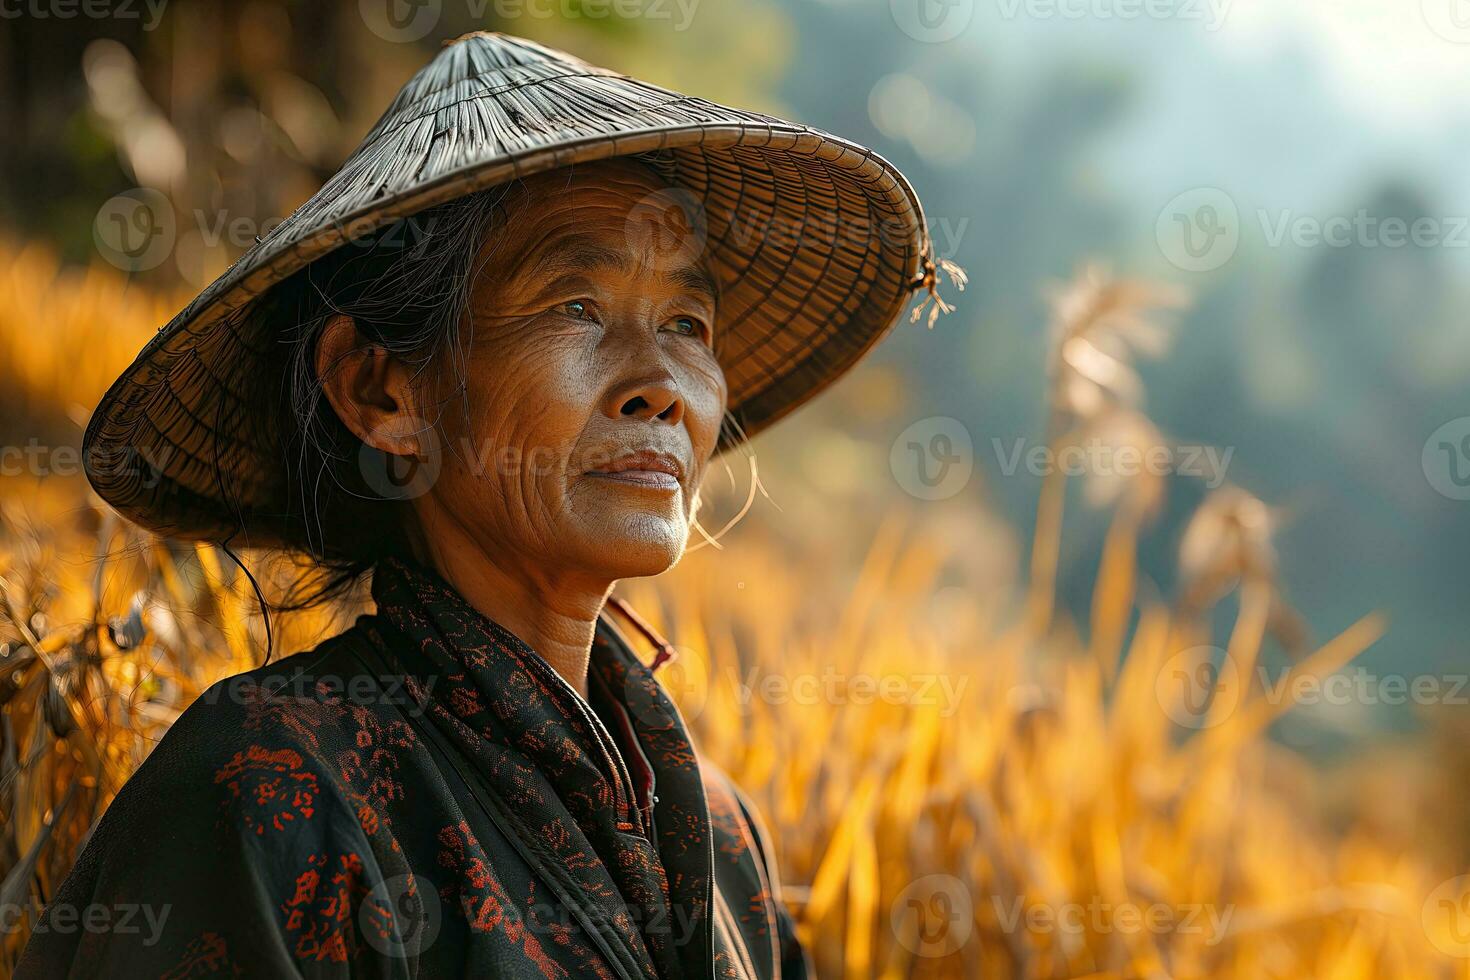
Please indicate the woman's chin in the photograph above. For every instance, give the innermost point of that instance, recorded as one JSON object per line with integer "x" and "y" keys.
{"x": 638, "y": 544}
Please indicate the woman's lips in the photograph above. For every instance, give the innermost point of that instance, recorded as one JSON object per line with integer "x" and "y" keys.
{"x": 645, "y": 478}
{"x": 645, "y": 468}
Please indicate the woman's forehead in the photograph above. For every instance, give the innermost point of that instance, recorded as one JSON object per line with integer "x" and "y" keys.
{"x": 596, "y": 220}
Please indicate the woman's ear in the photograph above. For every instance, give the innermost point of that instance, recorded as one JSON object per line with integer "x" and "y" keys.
{"x": 369, "y": 388}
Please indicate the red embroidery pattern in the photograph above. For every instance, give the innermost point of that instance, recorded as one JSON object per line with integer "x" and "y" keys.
{"x": 319, "y": 914}
{"x": 372, "y": 766}
{"x": 270, "y": 788}
{"x": 479, "y": 894}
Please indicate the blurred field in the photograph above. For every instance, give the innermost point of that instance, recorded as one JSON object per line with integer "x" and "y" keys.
{"x": 960, "y": 784}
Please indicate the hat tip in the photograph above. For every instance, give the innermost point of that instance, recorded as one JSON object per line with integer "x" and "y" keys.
{"x": 465, "y": 37}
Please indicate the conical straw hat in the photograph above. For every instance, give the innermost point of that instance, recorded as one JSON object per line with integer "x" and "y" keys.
{"x": 818, "y": 244}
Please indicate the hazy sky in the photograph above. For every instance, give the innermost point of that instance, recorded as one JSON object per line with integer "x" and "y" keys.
{"x": 1300, "y": 106}
{"x": 1405, "y": 61}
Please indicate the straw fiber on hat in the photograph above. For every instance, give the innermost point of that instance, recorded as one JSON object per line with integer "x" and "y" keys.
{"x": 817, "y": 244}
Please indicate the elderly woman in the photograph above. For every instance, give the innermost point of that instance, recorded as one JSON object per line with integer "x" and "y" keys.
{"x": 489, "y": 363}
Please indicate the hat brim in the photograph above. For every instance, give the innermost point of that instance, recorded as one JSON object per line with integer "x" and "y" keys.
{"x": 817, "y": 244}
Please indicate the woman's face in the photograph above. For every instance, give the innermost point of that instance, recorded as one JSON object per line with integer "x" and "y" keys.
{"x": 592, "y": 398}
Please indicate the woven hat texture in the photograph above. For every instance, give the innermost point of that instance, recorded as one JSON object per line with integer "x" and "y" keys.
{"x": 817, "y": 244}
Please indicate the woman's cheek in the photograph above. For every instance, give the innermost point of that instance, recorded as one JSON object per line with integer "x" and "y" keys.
{"x": 706, "y": 412}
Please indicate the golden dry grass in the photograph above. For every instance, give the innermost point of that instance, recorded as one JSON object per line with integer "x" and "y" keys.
{"x": 983, "y": 796}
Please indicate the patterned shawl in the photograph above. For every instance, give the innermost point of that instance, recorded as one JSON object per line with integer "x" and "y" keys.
{"x": 423, "y": 795}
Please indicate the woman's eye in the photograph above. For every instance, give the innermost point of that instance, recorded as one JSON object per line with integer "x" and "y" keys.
{"x": 688, "y": 326}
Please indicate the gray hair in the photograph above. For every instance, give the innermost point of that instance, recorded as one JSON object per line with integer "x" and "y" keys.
{"x": 407, "y": 287}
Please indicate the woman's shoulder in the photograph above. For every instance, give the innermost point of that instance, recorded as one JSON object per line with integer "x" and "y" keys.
{"x": 287, "y": 717}
{"x": 240, "y": 802}
{"x": 255, "y": 757}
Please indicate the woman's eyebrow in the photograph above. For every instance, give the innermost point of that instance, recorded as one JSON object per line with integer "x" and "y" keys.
{"x": 574, "y": 253}
{"x": 581, "y": 256}
{"x": 697, "y": 279}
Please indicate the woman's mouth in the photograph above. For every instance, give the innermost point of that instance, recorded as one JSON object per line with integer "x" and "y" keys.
{"x": 645, "y": 468}
{"x": 646, "y": 478}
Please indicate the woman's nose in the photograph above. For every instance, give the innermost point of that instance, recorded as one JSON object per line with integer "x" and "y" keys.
{"x": 654, "y": 395}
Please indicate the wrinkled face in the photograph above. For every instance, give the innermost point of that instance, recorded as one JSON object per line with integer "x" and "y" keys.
{"x": 593, "y": 400}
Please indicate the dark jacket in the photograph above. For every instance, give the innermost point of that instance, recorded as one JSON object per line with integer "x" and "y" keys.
{"x": 424, "y": 796}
